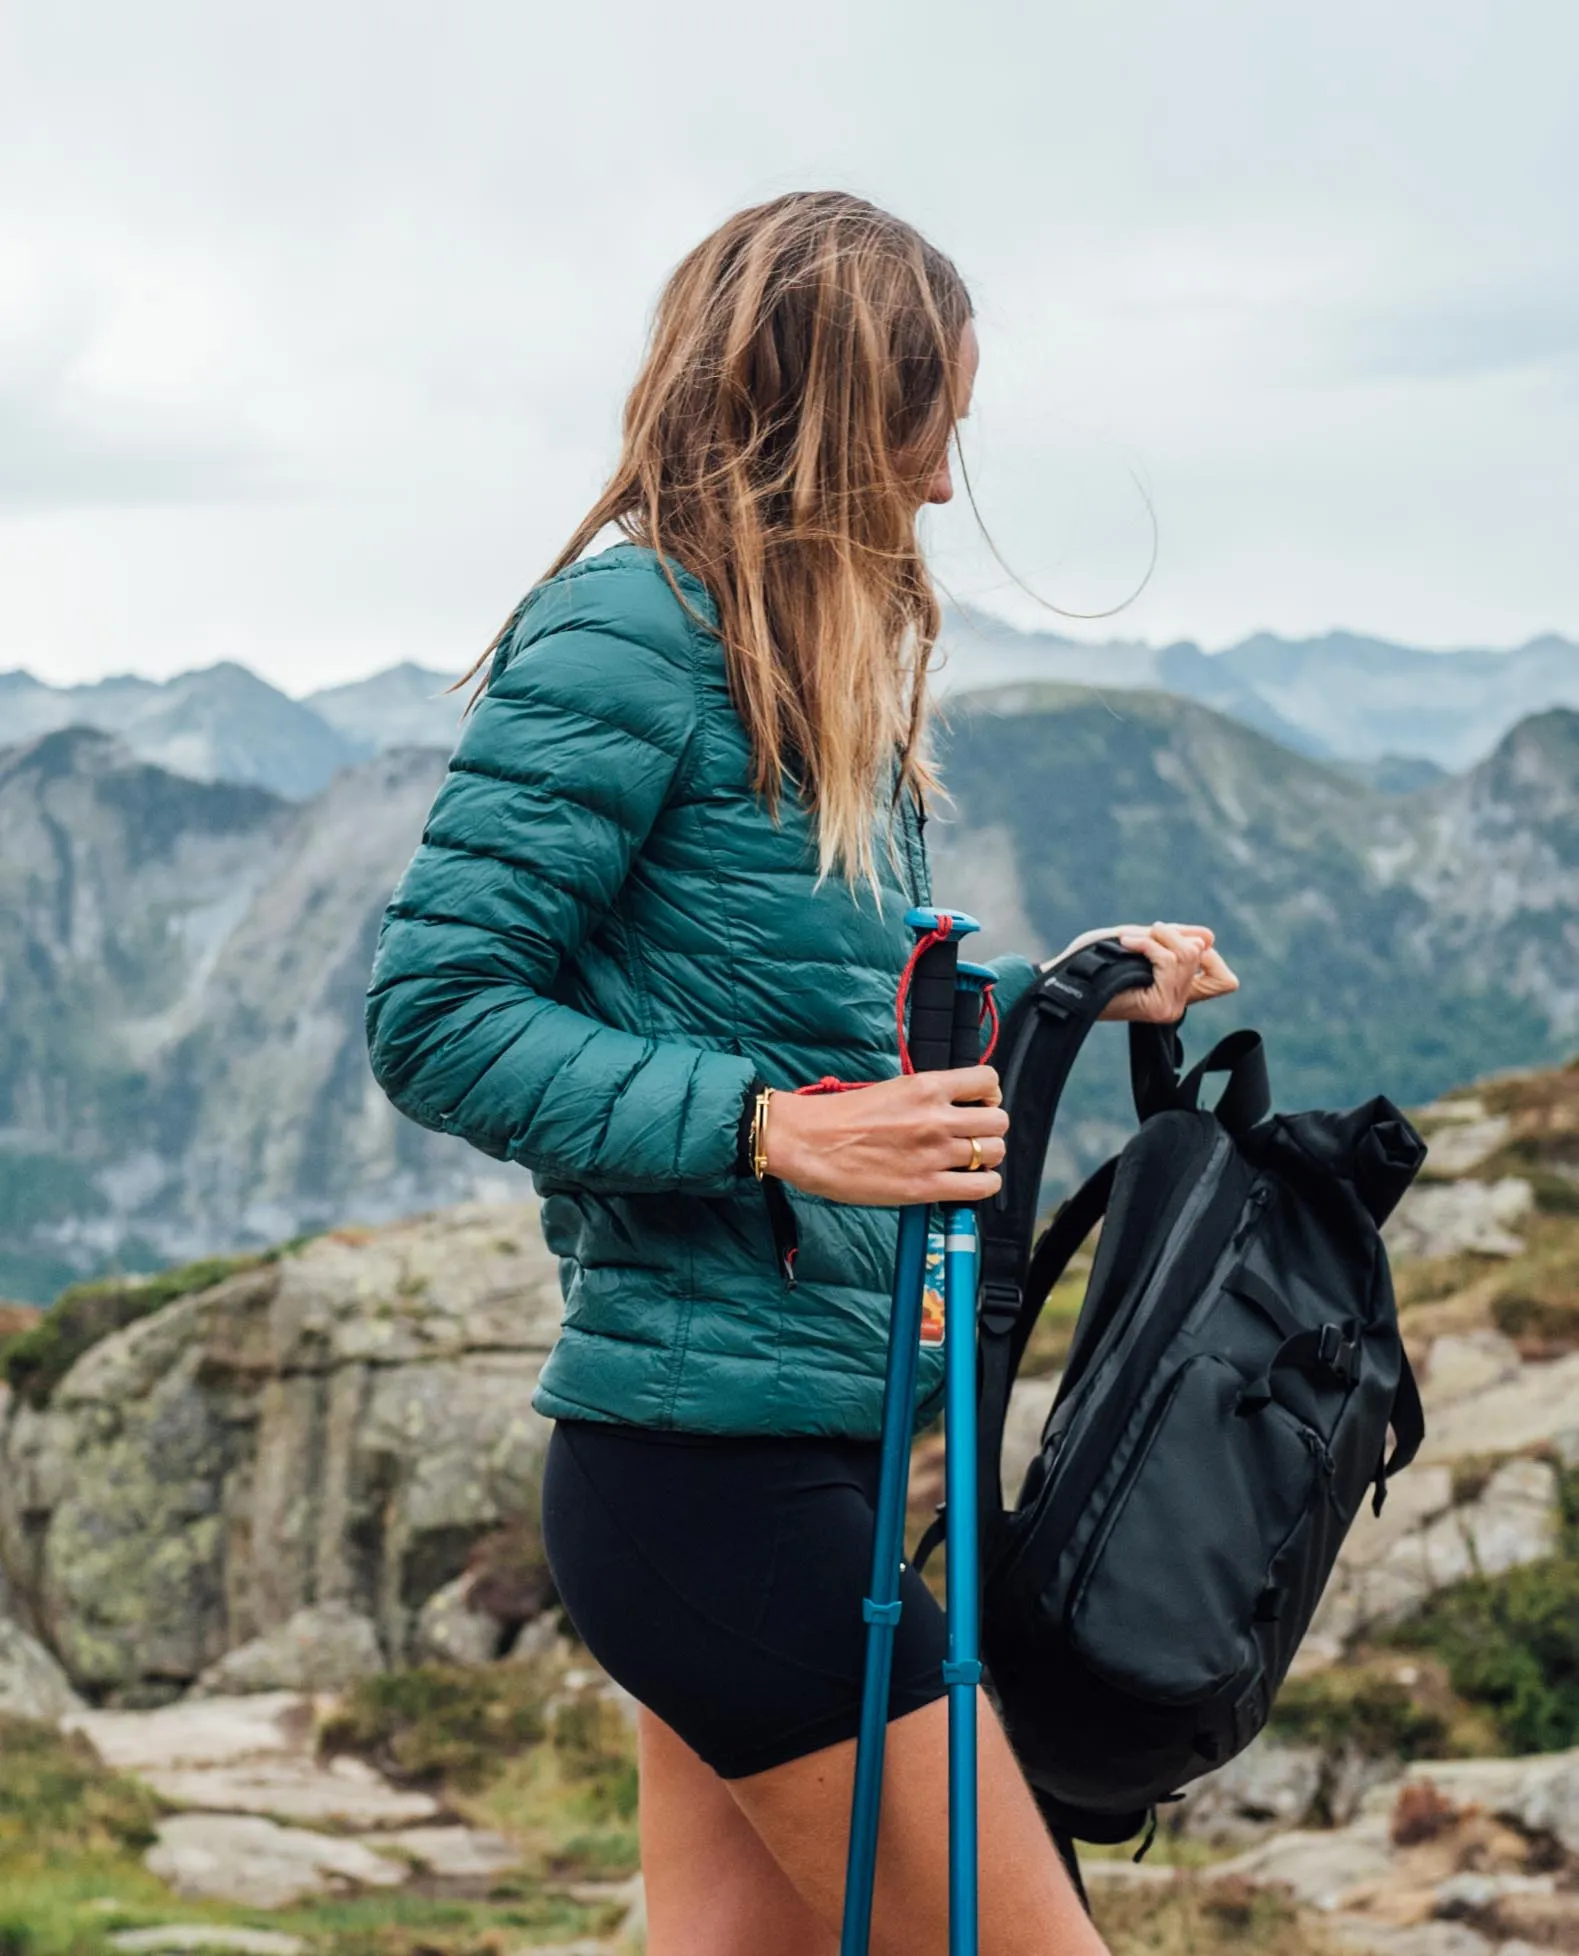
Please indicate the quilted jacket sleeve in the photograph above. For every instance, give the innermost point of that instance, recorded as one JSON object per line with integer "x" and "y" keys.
{"x": 559, "y": 776}
{"x": 1016, "y": 975}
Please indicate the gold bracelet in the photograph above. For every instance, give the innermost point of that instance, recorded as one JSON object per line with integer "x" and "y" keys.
{"x": 759, "y": 1134}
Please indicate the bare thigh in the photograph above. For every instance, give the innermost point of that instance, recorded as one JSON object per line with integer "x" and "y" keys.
{"x": 801, "y": 1813}
{"x": 713, "y": 1888}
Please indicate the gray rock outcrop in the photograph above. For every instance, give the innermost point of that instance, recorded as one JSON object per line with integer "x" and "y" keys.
{"x": 452, "y": 1628}
{"x": 321, "y": 1648}
{"x": 32, "y": 1684}
{"x": 1481, "y": 1401}
{"x": 292, "y": 1462}
{"x": 1268, "y": 1787}
{"x": 262, "y": 1819}
{"x": 1437, "y": 1219}
{"x": 245, "y": 1858}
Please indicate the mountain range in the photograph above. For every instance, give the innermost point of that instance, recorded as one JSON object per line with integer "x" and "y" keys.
{"x": 1340, "y": 696}
{"x": 182, "y": 961}
{"x": 1396, "y": 716}
{"x": 223, "y": 723}
{"x": 181, "y": 974}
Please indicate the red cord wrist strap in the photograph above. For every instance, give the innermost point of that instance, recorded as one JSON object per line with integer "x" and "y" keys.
{"x": 989, "y": 1013}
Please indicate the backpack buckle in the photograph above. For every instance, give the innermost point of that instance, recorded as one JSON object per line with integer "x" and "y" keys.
{"x": 1000, "y": 1306}
{"x": 1338, "y": 1352}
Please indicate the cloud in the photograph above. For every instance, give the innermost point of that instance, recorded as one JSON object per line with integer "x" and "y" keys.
{"x": 53, "y": 456}
{"x": 1465, "y": 337}
{"x": 344, "y": 300}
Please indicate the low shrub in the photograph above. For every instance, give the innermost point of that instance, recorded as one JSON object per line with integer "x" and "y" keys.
{"x": 437, "y": 1725}
{"x": 1421, "y": 1813}
{"x": 1349, "y": 1711}
{"x": 35, "y": 1361}
{"x": 1189, "y": 1917}
{"x": 1511, "y": 1642}
{"x": 55, "y": 1795}
{"x": 509, "y": 1571}
{"x": 594, "y": 1747}
{"x": 1540, "y": 1325}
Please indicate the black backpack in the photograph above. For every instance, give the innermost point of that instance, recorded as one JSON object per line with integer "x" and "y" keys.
{"x": 1225, "y": 1406}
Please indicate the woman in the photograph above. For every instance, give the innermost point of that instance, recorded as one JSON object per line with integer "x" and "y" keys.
{"x": 668, "y": 868}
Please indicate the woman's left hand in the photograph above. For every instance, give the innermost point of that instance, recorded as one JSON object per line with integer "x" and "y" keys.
{"x": 1186, "y": 969}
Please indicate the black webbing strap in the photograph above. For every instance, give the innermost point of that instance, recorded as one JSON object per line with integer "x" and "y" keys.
{"x": 1156, "y": 1054}
{"x": 1037, "y": 1048}
{"x": 1073, "y": 1221}
{"x": 1004, "y": 1326}
{"x": 1257, "y": 1291}
{"x": 1408, "y": 1423}
{"x": 1333, "y": 1349}
{"x": 1247, "y": 1099}
{"x": 1005, "y": 1331}
{"x": 1065, "y": 1844}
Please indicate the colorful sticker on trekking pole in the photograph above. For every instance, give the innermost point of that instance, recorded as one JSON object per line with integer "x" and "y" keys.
{"x": 932, "y": 1320}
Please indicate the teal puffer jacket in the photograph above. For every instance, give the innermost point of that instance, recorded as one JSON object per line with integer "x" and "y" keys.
{"x": 601, "y": 940}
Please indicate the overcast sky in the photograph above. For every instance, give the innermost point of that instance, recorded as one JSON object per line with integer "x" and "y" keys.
{"x": 315, "y": 319}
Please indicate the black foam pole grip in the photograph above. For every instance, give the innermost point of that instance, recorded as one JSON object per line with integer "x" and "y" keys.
{"x": 931, "y": 1031}
{"x": 965, "y": 1047}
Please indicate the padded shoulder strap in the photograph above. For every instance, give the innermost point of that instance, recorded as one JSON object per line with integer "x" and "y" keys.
{"x": 1039, "y": 1044}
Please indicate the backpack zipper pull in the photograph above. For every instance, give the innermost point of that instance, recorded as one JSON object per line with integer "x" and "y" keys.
{"x": 1258, "y": 1198}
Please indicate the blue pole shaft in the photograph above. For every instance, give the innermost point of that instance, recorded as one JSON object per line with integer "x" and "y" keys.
{"x": 963, "y": 1669}
{"x": 881, "y": 1608}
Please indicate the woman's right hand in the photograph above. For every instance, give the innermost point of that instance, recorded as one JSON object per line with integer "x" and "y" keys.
{"x": 900, "y": 1141}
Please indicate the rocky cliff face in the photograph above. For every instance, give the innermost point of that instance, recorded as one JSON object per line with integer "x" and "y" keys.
{"x": 219, "y": 724}
{"x": 283, "y": 1468}
{"x": 325, "y": 1465}
{"x": 1341, "y": 695}
{"x": 182, "y": 964}
{"x": 181, "y": 975}
{"x": 1386, "y": 943}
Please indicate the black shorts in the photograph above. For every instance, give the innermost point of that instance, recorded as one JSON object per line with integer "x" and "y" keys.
{"x": 720, "y": 1581}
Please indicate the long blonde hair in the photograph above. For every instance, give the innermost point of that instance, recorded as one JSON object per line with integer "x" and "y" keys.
{"x": 798, "y": 393}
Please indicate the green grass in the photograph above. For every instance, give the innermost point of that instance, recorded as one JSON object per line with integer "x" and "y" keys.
{"x": 1344, "y": 1711}
{"x": 73, "y": 1833}
{"x": 1191, "y": 1917}
{"x": 1510, "y": 1643}
{"x": 436, "y": 1726}
{"x": 54, "y": 1791}
{"x": 556, "y": 1774}
{"x": 34, "y": 1362}
{"x": 71, "y": 1838}
{"x": 1048, "y": 1345}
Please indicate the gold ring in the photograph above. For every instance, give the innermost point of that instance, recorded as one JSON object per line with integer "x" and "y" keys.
{"x": 974, "y": 1164}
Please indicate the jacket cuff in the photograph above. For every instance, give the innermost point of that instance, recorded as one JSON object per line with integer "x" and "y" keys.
{"x": 745, "y": 1166}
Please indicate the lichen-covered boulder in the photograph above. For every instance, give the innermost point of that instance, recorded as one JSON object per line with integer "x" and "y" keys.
{"x": 32, "y": 1684}
{"x": 332, "y": 1431}
{"x": 322, "y": 1648}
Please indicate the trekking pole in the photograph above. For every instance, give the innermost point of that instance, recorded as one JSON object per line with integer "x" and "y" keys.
{"x": 962, "y": 1670}
{"x": 929, "y": 984}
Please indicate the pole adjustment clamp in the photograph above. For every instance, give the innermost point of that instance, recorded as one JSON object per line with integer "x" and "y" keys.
{"x": 962, "y": 1670}
{"x": 879, "y": 1612}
